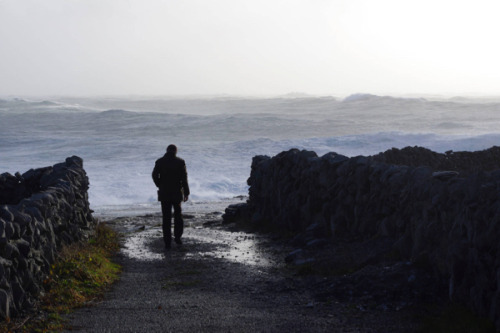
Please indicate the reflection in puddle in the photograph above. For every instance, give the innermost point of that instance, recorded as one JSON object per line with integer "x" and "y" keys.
{"x": 232, "y": 246}
{"x": 199, "y": 242}
{"x": 137, "y": 245}
{"x": 143, "y": 234}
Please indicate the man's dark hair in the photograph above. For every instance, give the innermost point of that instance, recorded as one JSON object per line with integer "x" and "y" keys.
{"x": 172, "y": 149}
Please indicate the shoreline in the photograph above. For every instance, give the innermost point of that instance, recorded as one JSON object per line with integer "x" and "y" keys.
{"x": 191, "y": 207}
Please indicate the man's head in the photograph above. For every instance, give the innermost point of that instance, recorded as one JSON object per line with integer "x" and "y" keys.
{"x": 172, "y": 149}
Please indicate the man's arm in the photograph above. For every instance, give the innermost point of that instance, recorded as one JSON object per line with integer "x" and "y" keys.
{"x": 156, "y": 175}
{"x": 185, "y": 184}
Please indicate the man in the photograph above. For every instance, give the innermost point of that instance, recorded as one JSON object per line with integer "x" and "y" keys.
{"x": 170, "y": 176}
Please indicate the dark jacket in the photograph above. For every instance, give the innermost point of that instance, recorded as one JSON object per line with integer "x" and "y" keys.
{"x": 170, "y": 176}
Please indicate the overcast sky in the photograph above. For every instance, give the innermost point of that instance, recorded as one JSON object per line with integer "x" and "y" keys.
{"x": 249, "y": 47}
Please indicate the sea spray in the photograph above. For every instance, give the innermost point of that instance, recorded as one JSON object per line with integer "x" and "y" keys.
{"x": 119, "y": 139}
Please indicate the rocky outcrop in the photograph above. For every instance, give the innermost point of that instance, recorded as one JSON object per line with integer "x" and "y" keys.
{"x": 40, "y": 211}
{"x": 439, "y": 210}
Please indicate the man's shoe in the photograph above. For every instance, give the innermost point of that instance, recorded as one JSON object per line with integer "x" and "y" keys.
{"x": 178, "y": 241}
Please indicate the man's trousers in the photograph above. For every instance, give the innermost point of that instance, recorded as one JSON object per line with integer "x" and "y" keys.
{"x": 166, "y": 210}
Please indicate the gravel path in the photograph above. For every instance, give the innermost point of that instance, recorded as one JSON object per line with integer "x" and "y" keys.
{"x": 217, "y": 281}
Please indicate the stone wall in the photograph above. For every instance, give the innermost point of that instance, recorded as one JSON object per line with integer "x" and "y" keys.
{"x": 448, "y": 220}
{"x": 40, "y": 211}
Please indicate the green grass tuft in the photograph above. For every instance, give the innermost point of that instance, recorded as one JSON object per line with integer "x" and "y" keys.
{"x": 81, "y": 275}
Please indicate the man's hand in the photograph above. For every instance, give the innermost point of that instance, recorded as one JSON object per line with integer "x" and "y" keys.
{"x": 186, "y": 198}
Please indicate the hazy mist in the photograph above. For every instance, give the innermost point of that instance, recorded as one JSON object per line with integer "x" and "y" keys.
{"x": 178, "y": 47}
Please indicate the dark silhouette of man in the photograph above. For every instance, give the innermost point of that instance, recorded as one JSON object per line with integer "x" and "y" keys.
{"x": 170, "y": 176}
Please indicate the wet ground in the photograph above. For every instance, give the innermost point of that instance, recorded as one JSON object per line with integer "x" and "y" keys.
{"x": 219, "y": 280}
{"x": 238, "y": 247}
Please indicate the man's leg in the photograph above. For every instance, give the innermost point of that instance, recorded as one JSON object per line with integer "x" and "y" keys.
{"x": 178, "y": 222}
{"x": 166, "y": 211}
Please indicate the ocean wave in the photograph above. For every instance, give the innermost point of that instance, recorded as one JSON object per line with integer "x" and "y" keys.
{"x": 219, "y": 138}
{"x": 115, "y": 112}
{"x": 359, "y": 97}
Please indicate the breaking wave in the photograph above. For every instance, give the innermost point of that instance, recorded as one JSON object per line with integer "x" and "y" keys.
{"x": 120, "y": 140}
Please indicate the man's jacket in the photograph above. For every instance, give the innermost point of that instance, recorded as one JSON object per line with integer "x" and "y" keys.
{"x": 170, "y": 176}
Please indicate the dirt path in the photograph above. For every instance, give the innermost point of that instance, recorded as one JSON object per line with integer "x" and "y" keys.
{"x": 218, "y": 281}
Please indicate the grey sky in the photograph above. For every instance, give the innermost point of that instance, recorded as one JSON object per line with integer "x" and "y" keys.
{"x": 170, "y": 47}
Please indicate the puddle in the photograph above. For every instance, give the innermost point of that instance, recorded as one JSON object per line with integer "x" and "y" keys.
{"x": 143, "y": 238}
{"x": 137, "y": 245}
{"x": 146, "y": 243}
{"x": 232, "y": 246}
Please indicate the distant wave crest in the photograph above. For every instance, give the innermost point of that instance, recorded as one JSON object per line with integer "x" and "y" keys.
{"x": 359, "y": 97}
{"x": 114, "y": 112}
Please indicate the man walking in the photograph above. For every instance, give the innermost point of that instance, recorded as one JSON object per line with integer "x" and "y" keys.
{"x": 170, "y": 176}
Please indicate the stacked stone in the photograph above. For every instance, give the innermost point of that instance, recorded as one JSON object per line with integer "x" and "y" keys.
{"x": 52, "y": 211}
{"x": 464, "y": 162}
{"x": 441, "y": 219}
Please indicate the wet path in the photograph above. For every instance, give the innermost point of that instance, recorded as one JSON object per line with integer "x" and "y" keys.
{"x": 236, "y": 247}
{"x": 218, "y": 281}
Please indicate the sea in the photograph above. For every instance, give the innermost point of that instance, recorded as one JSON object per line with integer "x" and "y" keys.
{"x": 120, "y": 138}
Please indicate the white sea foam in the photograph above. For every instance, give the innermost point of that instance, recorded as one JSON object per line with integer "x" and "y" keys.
{"x": 120, "y": 139}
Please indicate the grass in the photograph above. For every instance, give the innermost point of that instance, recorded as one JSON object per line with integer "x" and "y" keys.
{"x": 80, "y": 276}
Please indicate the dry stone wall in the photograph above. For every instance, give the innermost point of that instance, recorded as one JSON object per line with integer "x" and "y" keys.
{"x": 448, "y": 220}
{"x": 40, "y": 211}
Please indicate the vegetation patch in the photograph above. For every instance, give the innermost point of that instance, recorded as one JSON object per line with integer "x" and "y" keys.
{"x": 79, "y": 277}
